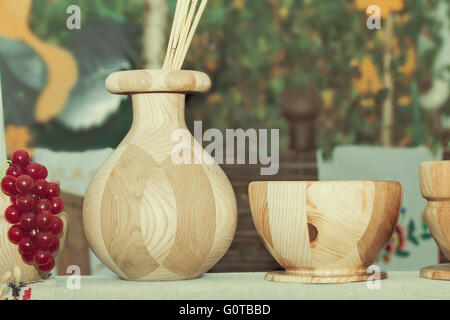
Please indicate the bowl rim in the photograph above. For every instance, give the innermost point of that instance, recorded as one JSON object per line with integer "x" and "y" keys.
{"x": 326, "y": 181}
{"x": 438, "y": 162}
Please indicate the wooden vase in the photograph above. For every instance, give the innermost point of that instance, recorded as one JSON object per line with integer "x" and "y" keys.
{"x": 325, "y": 232}
{"x": 12, "y": 268}
{"x": 435, "y": 188}
{"x": 147, "y": 217}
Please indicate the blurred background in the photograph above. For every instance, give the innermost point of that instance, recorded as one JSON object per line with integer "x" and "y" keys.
{"x": 350, "y": 102}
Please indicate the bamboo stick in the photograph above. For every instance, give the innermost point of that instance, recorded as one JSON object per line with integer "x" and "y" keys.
{"x": 192, "y": 32}
{"x": 178, "y": 28}
{"x": 185, "y": 32}
{"x": 186, "y": 19}
{"x": 172, "y": 34}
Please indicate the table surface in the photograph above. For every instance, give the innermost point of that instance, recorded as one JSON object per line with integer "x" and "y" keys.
{"x": 234, "y": 286}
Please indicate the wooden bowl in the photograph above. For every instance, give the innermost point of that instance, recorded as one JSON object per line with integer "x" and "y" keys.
{"x": 325, "y": 232}
{"x": 435, "y": 187}
{"x": 12, "y": 268}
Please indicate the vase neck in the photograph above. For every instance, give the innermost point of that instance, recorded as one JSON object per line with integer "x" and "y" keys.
{"x": 158, "y": 110}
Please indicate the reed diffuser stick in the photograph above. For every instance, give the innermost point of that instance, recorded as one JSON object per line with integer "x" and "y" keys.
{"x": 186, "y": 19}
{"x": 192, "y": 32}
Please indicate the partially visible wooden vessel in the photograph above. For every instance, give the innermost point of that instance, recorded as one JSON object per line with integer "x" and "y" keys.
{"x": 435, "y": 187}
{"x": 146, "y": 217}
{"x": 325, "y": 232}
{"x": 12, "y": 268}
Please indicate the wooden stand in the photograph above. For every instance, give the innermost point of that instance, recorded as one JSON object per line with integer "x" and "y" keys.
{"x": 323, "y": 276}
{"x": 435, "y": 187}
{"x": 147, "y": 217}
{"x": 436, "y": 272}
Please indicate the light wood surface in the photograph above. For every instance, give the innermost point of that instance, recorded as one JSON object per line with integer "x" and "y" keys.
{"x": 437, "y": 272}
{"x": 435, "y": 187}
{"x": 12, "y": 268}
{"x": 147, "y": 218}
{"x": 318, "y": 277}
{"x": 325, "y": 232}
{"x": 141, "y": 81}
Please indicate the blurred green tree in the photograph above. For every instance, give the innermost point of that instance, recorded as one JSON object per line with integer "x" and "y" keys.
{"x": 254, "y": 50}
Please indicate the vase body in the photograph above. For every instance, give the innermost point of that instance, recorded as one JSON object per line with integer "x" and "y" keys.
{"x": 12, "y": 268}
{"x": 146, "y": 216}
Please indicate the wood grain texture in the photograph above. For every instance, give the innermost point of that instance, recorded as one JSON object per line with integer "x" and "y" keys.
{"x": 141, "y": 81}
{"x": 325, "y": 232}
{"x": 146, "y": 217}
{"x": 435, "y": 187}
{"x": 437, "y": 272}
{"x": 320, "y": 277}
{"x": 12, "y": 268}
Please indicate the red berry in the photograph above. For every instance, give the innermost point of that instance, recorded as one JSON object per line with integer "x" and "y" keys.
{"x": 53, "y": 190}
{"x": 45, "y": 239}
{"x": 57, "y": 206}
{"x": 34, "y": 170}
{"x": 55, "y": 246}
{"x": 27, "y": 221}
{"x": 20, "y": 158}
{"x": 57, "y": 225}
{"x": 15, "y": 234}
{"x": 49, "y": 266}
{"x": 14, "y": 171}
{"x": 25, "y": 202}
{"x": 28, "y": 258}
{"x": 42, "y": 204}
{"x": 26, "y": 246}
{"x": 24, "y": 184}
{"x": 9, "y": 185}
{"x": 44, "y": 220}
{"x": 42, "y": 257}
{"x": 44, "y": 172}
{"x": 40, "y": 188}
{"x": 13, "y": 198}
{"x": 12, "y": 214}
{"x": 32, "y": 234}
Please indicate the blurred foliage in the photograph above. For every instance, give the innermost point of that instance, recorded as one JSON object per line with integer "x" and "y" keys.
{"x": 254, "y": 50}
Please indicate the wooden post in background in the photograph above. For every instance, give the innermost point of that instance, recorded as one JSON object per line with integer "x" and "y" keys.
{"x": 76, "y": 251}
{"x": 387, "y": 120}
{"x": 154, "y": 42}
{"x": 301, "y": 108}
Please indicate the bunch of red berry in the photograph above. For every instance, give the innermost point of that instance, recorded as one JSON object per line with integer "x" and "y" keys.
{"x": 34, "y": 206}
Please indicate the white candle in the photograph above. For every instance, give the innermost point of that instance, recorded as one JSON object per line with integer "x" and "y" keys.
{"x": 2, "y": 129}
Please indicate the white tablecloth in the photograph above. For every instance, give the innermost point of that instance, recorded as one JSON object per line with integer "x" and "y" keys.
{"x": 236, "y": 286}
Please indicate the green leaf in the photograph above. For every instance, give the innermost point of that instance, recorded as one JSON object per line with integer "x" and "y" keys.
{"x": 414, "y": 240}
{"x": 402, "y": 254}
{"x": 426, "y": 236}
{"x": 411, "y": 228}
